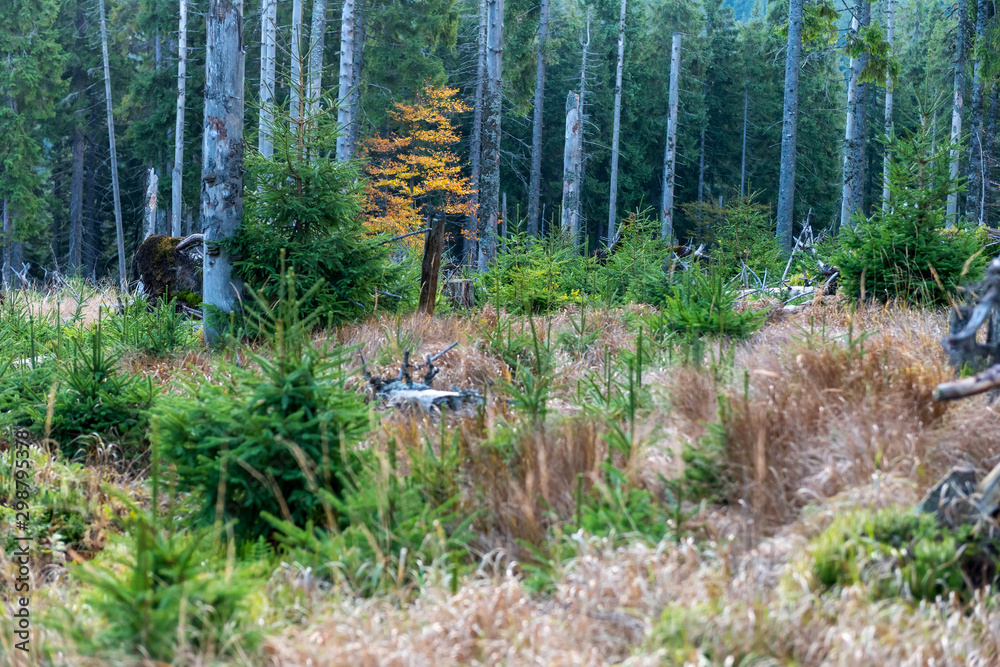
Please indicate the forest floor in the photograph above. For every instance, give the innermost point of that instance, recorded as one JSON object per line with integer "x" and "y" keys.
{"x": 828, "y": 411}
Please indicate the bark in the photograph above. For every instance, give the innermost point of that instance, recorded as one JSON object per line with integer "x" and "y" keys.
{"x": 743, "y": 159}
{"x": 490, "y": 197}
{"x": 957, "y": 105}
{"x": 571, "y": 167}
{"x": 298, "y": 87}
{"x": 316, "y": 40}
{"x": 152, "y": 186}
{"x": 850, "y": 138}
{"x": 789, "y": 126}
{"x": 359, "y": 52}
{"x": 670, "y": 153}
{"x": 222, "y": 155}
{"x": 977, "y": 182}
{"x": 615, "y": 136}
{"x": 122, "y": 276}
{"x": 471, "y": 248}
{"x": 430, "y": 268}
{"x": 865, "y": 94}
{"x": 582, "y": 170}
{"x": 344, "y": 109}
{"x": 535, "y": 182}
{"x": 177, "y": 182}
{"x": 268, "y": 63}
{"x": 889, "y": 86}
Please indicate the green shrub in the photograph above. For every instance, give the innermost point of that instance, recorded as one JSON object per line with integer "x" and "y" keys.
{"x": 897, "y": 552}
{"x": 528, "y": 276}
{"x": 745, "y": 234}
{"x": 276, "y": 433}
{"x": 154, "y": 330}
{"x": 701, "y": 303}
{"x": 306, "y": 212}
{"x": 906, "y": 252}
{"x": 637, "y": 271}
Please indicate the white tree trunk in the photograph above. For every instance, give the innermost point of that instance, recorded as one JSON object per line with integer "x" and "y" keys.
{"x": 957, "y": 105}
{"x": 847, "y": 188}
{"x": 344, "y": 110}
{"x": 222, "y": 155}
{"x": 177, "y": 177}
{"x": 122, "y": 277}
{"x": 535, "y": 184}
{"x": 789, "y": 126}
{"x": 152, "y": 191}
{"x": 359, "y": 55}
{"x": 890, "y": 16}
{"x": 670, "y": 153}
{"x": 316, "y": 40}
{"x": 489, "y": 208}
{"x": 571, "y": 168}
{"x": 471, "y": 245}
{"x": 268, "y": 64}
{"x": 582, "y": 170}
{"x": 298, "y": 83}
{"x": 616, "y": 133}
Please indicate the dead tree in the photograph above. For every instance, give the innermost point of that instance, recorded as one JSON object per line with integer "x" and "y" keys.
{"x": 962, "y": 346}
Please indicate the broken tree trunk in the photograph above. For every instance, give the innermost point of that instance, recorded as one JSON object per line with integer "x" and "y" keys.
{"x": 431, "y": 266}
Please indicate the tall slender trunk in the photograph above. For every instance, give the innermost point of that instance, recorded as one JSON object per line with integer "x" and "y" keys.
{"x": 743, "y": 153}
{"x": 489, "y": 208}
{"x": 865, "y": 93}
{"x": 222, "y": 155}
{"x": 670, "y": 153}
{"x": 344, "y": 110}
{"x": 268, "y": 64}
{"x": 789, "y": 126}
{"x": 582, "y": 170}
{"x": 8, "y": 242}
{"x": 359, "y": 53}
{"x": 316, "y": 40}
{"x": 571, "y": 168}
{"x": 889, "y": 86}
{"x": 122, "y": 277}
{"x": 177, "y": 177}
{"x": 298, "y": 84}
{"x": 613, "y": 198}
{"x": 476, "y": 146}
{"x": 79, "y": 151}
{"x": 152, "y": 187}
{"x": 977, "y": 181}
{"x": 535, "y": 181}
{"x": 701, "y": 170}
{"x": 956, "y": 108}
{"x": 850, "y": 128}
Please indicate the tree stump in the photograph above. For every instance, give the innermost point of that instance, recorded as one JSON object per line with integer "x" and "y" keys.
{"x": 460, "y": 293}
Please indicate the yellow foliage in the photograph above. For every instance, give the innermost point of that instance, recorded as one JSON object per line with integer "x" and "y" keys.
{"x": 414, "y": 169}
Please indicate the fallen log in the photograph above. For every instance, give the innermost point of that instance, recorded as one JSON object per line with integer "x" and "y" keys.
{"x": 978, "y": 384}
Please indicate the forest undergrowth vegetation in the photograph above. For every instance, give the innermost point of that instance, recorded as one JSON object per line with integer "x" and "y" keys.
{"x": 673, "y": 478}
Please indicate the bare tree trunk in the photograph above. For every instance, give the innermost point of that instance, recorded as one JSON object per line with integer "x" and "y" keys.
{"x": 268, "y": 64}
{"x": 859, "y": 161}
{"x": 344, "y": 110}
{"x": 222, "y": 155}
{"x": 122, "y": 277}
{"x": 316, "y": 40}
{"x": 847, "y": 192}
{"x": 471, "y": 246}
{"x": 571, "y": 168}
{"x": 152, "y": 188}
{"x": 489, "y": 208}
{"x": 534, "y": 187}
{"x": 359, "y": 52}
{"x": 298, "y": 83}
{"x": 977, "y": 181}
{"x": 615, "y": 136}
{"x": 889, "y": 85}
{"x": 670, "y": 153}
{"x": 582, "y": 170}
{"x": 743, "y": 159}
{"x": 789, "y": 126}
{"x": 956, "y": 109}
{"x": 177, "y": 182}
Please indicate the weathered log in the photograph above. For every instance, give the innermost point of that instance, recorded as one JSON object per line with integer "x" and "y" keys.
{"x": 964, "y": 321}
{"x": 460, "y": 293}
{"x": 983, "y": 382}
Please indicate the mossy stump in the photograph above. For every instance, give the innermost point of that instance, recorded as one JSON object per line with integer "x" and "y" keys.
{"x": 167, "y": 272}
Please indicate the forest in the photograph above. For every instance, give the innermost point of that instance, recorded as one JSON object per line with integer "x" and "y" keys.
{"x": 499, "y": 332}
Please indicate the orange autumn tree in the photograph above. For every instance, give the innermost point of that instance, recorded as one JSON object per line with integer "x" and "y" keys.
{"x": 414, "y": 169}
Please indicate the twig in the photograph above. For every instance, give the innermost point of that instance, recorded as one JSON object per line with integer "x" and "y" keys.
{"x": 403, "y": 236}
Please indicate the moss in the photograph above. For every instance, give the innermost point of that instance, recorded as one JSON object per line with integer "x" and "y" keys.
{"x": 188, "y": 297}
